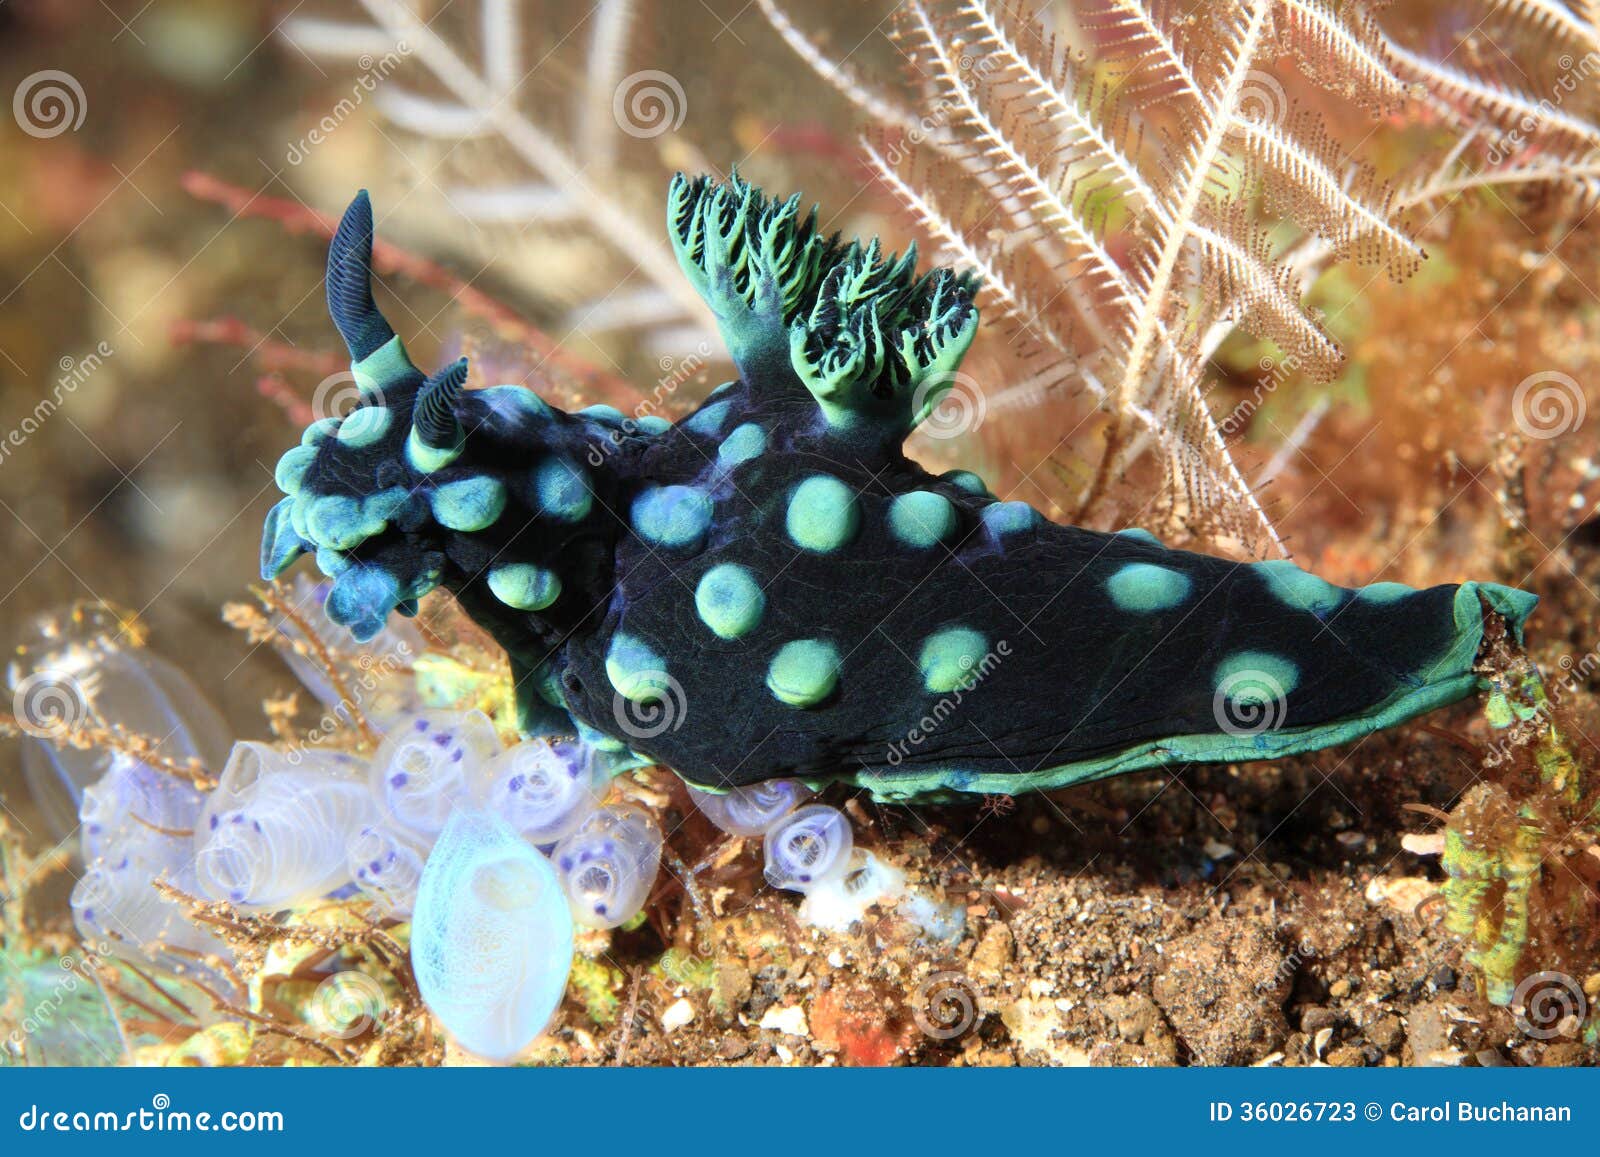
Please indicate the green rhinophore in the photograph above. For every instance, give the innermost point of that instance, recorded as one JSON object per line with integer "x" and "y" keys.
{"x": 805, "y": 672}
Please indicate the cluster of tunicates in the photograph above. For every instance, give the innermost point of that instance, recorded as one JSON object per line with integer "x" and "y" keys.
{"x": 492, "y": 854}
{"x": 808, "y": 848}
{"x": 85, "y": 669}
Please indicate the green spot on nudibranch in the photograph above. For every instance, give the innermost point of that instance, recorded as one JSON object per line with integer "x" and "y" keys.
{"x": 921, "y": 518}
{"x": 804, "y": 673}
{"x": 675, "y": 517}
{"x": 562, "y": 490}
{"x": 470, "y": 504}
{"x": 637, "y": 672}
{"x": 290, "y": 473}
{"x": 823, "y": 514}
{"x": 1139, "y": 534}
{"x": 427, "y": 459}
{"x": 1382, "y": 594}
{"x": 602, "y": 413}
{"x": 524, "y": 586}
{"x": 653, "y": 424}
{"x": 744, "y": 443}
{"x": 340, "y": 523}
{"x": 1143, "y": 586}
{"x": 365, "y": 426}
{"x": 729, "y": 600}
{"x": 1256, "y": 678}
{"x": 319, "y": 431}
{"x": 332, "y": 563}
{"x": 513, "y": 403}
{"x": 1003, "y": 518}
{"x": 967, "y": 481}
{"x": 949, "y": 657}
{"x": 708, "y": 420}
{"x": 1297, "y": 588}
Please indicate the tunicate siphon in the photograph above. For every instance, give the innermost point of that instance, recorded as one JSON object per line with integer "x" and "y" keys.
{"x": 546, "y": 788}
{"x": 808, "y": 847}
{"x": 840, "y": 901}
{"x": 491, "y": 936}
{"x": 608, "y": 865}
{"x": 750, "y": 811}
{"x": 430, "y": 763}
{"x": 387, "y": 868}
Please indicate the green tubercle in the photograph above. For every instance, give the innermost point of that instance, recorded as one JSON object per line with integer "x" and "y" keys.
{"x": 804, "y": 673}
{"x": 1144, "y": 587}
{"x": 340, "y": 523}
{"x": 1299, "y": 589}
{"x": 742, "y": 444}
{"x": 922, "y": 518}
{"x": 524, "y": 586}
{"x": 729, "y": 600}
{"x": 672, "y": 517}
{"x": 470, "y": 504}
{"x": 365, "y": 426}
{"x": 562, "y": 490}
{"x": 290, "y": 473}
{"x": 1005, "y": 518}
{"x": 1383, "y": 594}
{"x": 1256, "y": 678}
{"x": 949, "y": 657}
{"x": 636, "y": 672}
{"x": 823, "y": 514}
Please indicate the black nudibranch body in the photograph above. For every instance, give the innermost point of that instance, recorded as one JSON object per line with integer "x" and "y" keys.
{"x": 770, "y": 588}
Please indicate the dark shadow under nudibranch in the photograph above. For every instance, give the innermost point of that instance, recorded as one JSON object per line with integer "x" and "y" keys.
{"x": 771, "y": 588}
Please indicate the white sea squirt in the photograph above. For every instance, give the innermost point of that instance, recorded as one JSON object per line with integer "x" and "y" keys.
{"x": 276, "y": 833}
{"x": 430, "y": 763}
{"x": 491, "y": 936}
{"x": 546, "y": 788}
{"x": 608, "y": 865}
{"x": 750, "y": 811}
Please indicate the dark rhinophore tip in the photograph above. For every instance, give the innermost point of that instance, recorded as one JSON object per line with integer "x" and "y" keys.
{"x": 434, "y": 419}
{"x": 349, "y": 282}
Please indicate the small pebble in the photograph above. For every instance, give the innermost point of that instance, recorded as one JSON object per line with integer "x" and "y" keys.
{"x": 1339, "y": 989}
{"x": 678, "y": 1015}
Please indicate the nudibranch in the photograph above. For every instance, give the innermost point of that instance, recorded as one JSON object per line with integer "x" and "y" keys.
{"x": 771, "y": 588}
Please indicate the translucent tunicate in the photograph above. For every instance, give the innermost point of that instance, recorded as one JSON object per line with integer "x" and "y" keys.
{"x": 115, "y": 904}
{"x": 277, "y": 833}
{"x": 375, "y": 674}
{"x": 134, "y": 804}
{"x": 387, "y": 868}
{"x": 430, "y": 763}
{"x": 86, "y": 667}
{"x": 546, "y": 788}
{"x": 750, "y": 811}
{"x": 608, "y": 865}
{"x": 491, "y": 936}
{"x": 808, "y": 847}
{"x": 840, "y": 901}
